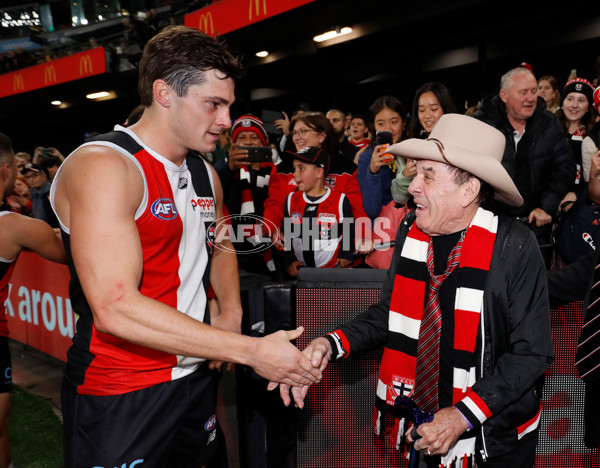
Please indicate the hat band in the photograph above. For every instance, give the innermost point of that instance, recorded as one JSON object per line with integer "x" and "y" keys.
{"x": 440, "y": 147}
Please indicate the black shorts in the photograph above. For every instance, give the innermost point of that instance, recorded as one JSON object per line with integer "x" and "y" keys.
{"x": 172, "y": 424}
{"x": 5, "y": 366}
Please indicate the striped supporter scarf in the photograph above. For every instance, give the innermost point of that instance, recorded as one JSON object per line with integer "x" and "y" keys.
{"x": 397, "y": 371}
{"x": 262, "y": 182}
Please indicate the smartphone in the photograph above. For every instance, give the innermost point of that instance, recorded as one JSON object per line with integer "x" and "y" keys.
{"x": 258, "y": 153}
{"x": 269, "y": 117}
{"x": 384, "y": 137}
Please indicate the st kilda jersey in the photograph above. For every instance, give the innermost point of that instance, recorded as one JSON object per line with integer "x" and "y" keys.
{"x": 316, "y": 228}
{"x": 6, "y": 268}
{"x": 173, "y": 221}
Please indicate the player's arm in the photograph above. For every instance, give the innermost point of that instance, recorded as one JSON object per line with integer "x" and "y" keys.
{"x": 23, "y": 232}
{"x": 39, "y": 237}
{"x": 97, "y": 195}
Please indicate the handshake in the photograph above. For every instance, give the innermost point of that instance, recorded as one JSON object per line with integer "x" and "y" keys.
{"x": 317, "y": 355}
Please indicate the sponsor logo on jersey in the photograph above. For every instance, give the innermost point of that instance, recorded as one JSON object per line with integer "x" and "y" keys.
{"x": 211, "y": 423}
{"x": 327, "y": 218}
{"x": 164, "y": 208}
{"x": 311, "y": 208}
{"x": 205, "y": 206}
{"x": 183, "y": 183}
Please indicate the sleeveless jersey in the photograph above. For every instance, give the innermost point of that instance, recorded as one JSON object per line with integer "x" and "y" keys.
{"x": 321, "y": 219}
{"x": 6, "y": 269}
{"x": 173, "y": 221}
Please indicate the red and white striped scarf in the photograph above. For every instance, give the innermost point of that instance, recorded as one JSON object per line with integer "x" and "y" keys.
{"x": 262, "y": 182}
{"x": 398, "y": 364}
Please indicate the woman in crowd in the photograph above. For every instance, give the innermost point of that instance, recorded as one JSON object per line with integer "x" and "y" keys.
{"x": 577, "y": 117}
{"x": 376, "y": 169}
{"x": 548, "y": 90}
{"x": 431, "y": 101}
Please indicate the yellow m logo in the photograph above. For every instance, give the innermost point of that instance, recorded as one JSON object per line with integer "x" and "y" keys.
{"x": 18, "y": 83}
{"x": 49, "y": 74}
{"x": 85, "y": 65}
{"x": 206, "y": 24}
{"x": 256, "y": 4}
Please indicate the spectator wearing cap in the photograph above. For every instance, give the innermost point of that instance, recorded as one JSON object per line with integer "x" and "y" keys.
{"x": 315, "y": 217}
{"x": 245, "y": 189}
{"x": 314, "y": 129}
{"x": 537, "y": 155}
{"x": 590, "y": 154}
{"x": 38, "y": 181}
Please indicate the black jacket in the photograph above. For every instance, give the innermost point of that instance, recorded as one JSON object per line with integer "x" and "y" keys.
{"x": 543, "y": 168}
{"x": 517, "y": 336}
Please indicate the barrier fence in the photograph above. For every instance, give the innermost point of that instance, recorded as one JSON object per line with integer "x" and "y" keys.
{"x": 334, "y": 429}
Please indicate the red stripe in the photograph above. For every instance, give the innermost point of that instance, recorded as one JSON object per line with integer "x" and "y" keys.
{"x": 407, "y": 297}
{"x": 396, "y": 363}
{"x": 479, "y": 253}
{"x": 480, "y": 404}
{"x": 465, "y": 336}
{"x": 523, "y": 427}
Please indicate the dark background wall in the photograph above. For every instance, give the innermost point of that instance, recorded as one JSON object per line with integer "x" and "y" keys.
{"x": 397, "y": 46}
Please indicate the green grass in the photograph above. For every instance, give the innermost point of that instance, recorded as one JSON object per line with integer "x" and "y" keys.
{"x": 35, "y": 432}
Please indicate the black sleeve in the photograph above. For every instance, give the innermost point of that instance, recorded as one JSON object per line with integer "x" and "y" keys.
{"x": 572, "y": 282}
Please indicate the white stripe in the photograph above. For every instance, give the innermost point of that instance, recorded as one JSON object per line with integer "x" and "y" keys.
{"x": 338, "y": 344}
{"x": 381, "y": 390}
{"x": 262, "y": 181}
{"x": 399, "y": 323}
{"x": 415, "y": 249}
{"x": 533, "y": 427}
{"x": 463, "y": 379}
{"x": 244, "y": 174}
{"x": 247, "y": 207}
{"x": 469, "y": 299}
{"x": 481, "y": 417}
{"x": 485, "y": 220}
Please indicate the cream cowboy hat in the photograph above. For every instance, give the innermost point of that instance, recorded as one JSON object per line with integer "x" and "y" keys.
{"x": 470, "y": 145}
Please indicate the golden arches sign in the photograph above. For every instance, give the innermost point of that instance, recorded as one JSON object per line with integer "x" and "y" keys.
{"x": 18, "y": 83}
{"x": 206, "y": 24}
{"x": 256, "y": 4}
{"x": 49, "y": 74}
{"x": 85, "y": 65}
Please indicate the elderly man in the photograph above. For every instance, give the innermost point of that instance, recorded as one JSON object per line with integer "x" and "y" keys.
{"x": 463, "y": 312}
{"x": 537, "y": 154}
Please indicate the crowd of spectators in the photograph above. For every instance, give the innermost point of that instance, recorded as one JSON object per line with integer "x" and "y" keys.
{"x": 553, "y": 157}
{"x": 543, "y": 155}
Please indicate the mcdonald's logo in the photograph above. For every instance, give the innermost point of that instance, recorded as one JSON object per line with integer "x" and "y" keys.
{"x": 206, "y": 24}
{"x": 256, "y": 4}
{"x": 85, "y": 65}
{"x": 49, "y": 74}
{"x": 18, "y": 83}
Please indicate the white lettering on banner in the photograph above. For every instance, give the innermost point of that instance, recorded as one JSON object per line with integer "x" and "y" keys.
{"x": 7, "y": 304}
{"x": 53, "y": 310}
{"x": 571, "y": 390}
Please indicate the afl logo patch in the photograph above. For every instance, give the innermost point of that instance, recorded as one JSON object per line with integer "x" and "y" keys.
{"x": 164, "y": 208}
{"x": 211, "y": 423}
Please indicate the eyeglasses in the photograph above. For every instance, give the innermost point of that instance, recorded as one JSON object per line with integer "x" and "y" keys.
{"x": 302, "y": 131}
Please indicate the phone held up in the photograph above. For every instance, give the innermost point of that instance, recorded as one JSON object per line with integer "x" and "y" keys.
{"x": 261, "y": 154}
{"x": 384, "y": 137}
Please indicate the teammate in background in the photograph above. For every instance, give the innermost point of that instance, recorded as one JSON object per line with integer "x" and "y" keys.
{"x": 137, "y": 209}
{"x": 17, "y": 232}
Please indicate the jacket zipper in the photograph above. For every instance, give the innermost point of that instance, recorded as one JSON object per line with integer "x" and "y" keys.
{"x": 483, "y": 451}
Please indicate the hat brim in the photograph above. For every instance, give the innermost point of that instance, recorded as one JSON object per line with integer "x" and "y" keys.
{"x": 489, "y": 170}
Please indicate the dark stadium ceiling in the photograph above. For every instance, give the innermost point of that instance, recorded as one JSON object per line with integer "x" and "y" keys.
{"x": 396, "y": 46}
